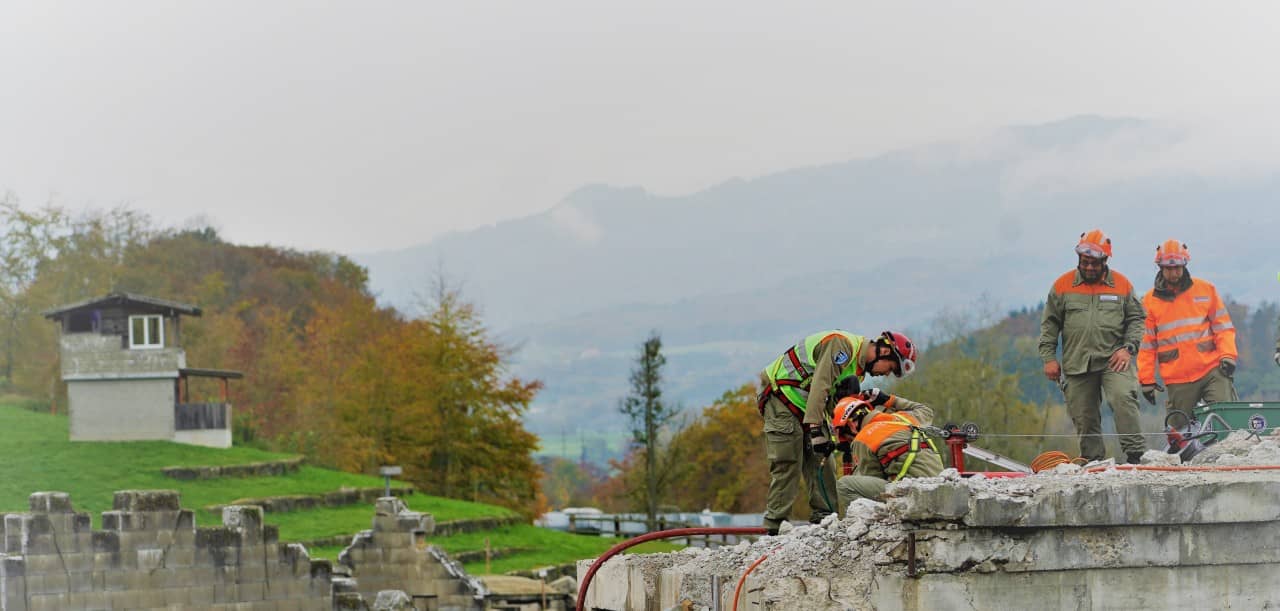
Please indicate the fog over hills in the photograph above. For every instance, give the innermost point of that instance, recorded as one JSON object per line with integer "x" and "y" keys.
{"x": 733, "y": 274}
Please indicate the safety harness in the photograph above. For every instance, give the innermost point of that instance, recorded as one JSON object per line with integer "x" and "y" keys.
{"x": 778, "y": 379}
{"x": 911, "y": 448}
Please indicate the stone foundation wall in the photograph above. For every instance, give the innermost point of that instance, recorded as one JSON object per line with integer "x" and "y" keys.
{"x": 258, "y": 469}
{"x": 304, "y": 502}
{"x": 149, "y": 554}
{"x": 394, "y": 555}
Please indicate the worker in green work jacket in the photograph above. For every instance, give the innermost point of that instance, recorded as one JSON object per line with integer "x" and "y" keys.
{"x": 888, "y": 443}
{"x": 1101, "y": 321}
{"x": 798, "y": 392}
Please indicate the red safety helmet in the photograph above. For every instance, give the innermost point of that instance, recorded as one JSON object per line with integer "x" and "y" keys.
{"x": 1172, "y": 254}
{"x": 904, "y": 350}
{"x": 849, "y": 412}
{"x": 1094, "y": 244}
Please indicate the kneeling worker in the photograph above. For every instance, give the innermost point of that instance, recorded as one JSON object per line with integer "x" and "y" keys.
{"x": 888, "y": 443}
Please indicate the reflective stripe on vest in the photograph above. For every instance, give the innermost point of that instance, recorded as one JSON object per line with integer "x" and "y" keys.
{"x": 1185, "y": 337}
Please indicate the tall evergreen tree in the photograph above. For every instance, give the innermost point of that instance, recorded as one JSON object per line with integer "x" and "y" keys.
{"x": 648, "y": 413}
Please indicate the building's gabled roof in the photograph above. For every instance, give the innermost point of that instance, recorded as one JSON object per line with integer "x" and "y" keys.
{"x": 141, "y": 303}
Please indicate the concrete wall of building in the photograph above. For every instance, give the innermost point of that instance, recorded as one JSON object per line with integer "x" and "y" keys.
{"x": 94, "y": 356}
{"x": 149, "y": 554}
{"x": 121, "y": 410}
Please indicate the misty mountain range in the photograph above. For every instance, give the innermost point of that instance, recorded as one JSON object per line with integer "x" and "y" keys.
{"x": 732, "y": 275}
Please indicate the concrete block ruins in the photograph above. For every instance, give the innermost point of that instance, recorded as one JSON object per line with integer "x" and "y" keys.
{"x": 149, "y": 554}
{"x": 1158, "y": 537}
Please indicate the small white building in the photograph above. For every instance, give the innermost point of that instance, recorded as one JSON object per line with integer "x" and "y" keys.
{"x": 127, "y": 374}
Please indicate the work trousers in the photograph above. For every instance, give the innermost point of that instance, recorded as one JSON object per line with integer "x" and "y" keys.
{"x": 853, "y": 487}
{"x": 790, "y": 459}
{"x": 1084, "y": 394}
{"x": 1213, "y": 387}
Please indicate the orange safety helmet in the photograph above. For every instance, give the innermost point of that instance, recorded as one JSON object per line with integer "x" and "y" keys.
{"x": 849, "y": 412}
{"x": 1094, "y": 244}
{"x": 1172, "y": 254}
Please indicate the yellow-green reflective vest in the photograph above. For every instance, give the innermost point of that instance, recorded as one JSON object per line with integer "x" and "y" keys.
{"x": 792, "y": 372}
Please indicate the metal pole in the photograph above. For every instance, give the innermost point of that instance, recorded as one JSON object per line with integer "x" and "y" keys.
{"x": 715, "y": 593}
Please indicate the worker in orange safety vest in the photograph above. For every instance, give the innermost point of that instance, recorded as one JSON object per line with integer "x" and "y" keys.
{"x": 1189, "y": 339}
{"x": 888, "y": 444}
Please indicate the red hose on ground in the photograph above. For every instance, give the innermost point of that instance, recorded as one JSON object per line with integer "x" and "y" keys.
{"x": 661, "y": 534}
{"x": 1186, "y": 468}
{"x": 738, "y": 590}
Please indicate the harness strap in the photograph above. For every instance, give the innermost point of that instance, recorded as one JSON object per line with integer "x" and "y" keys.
{"x": 911, "y": 449}
{"x": 795, "y": 362}
{"x": 795, "y": 411}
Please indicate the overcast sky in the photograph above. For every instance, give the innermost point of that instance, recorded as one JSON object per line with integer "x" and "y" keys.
{"x": 373, "y": 125}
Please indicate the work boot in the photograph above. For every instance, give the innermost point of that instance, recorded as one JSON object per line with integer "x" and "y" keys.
{"x": 1135, "y": 458}
{"x": 772, "y": 532}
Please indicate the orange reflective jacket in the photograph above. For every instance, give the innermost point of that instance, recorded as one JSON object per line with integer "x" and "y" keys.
{"x": 1187, "y": 336}
{"x": 882, "y": 426}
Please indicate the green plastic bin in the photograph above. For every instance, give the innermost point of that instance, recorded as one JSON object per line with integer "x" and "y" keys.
{"x": 1263, "y": 416}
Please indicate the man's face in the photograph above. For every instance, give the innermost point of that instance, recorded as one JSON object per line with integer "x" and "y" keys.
{"x": 1091, "y": 268}
{"x": 1172, "y": 274}
{"x": 883, "y": 366}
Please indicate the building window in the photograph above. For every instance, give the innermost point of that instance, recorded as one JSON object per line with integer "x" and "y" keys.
{"x": 146, "y": 331}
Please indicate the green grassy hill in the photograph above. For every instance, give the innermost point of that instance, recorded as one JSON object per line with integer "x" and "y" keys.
{"x": 40, "y": 457}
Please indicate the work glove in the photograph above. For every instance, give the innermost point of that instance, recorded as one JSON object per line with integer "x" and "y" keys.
{"x": 1149, "y": 393}
{"x": 1227, "y": 366}
{"x": 843, "y": 446}
{"x": 820, "y": 441}
{"x": 876, "y": 397}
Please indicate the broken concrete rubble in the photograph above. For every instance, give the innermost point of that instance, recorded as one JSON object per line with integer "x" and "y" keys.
{"x": 1067, "y": 538}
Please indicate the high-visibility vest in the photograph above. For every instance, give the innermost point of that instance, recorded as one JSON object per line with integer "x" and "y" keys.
{"x": 790, "y": 374}
{"x": 1185, "y": 337}
{"x": 884, "y": 425}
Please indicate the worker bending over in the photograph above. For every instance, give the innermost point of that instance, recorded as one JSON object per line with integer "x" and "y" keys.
{"x": 888, "y": 443}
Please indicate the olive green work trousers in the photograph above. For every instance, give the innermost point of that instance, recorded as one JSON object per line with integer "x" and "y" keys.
{"x": 853, "y": 487}
{"x": 790, "y": 459}
{"x": 1213, "y": 387}
{"x": 1085, "y": 393}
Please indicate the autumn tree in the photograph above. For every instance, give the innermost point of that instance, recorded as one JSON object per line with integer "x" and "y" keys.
{"x": 724, "y": 454}
{"x": 328, "y": 373}
{"x": 29, "y": 241}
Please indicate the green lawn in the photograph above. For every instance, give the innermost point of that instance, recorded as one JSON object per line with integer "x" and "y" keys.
{"x": 40, "y": 457}
{"x": 546, "y": 547}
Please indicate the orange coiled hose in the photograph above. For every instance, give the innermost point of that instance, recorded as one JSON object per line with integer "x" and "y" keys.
{"x": 1051, "y": 459}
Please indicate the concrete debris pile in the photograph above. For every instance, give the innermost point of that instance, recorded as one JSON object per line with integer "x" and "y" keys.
{"x": 1075, "y": 537}
{"x": 1241, "y": 448}
{"x": 853, "y": 545}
